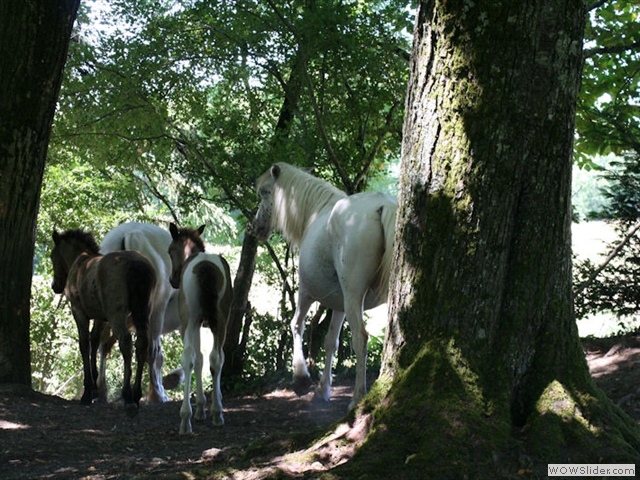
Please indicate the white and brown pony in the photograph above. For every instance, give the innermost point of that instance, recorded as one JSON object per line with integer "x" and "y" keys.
{"x": 153, "y": 242}
{"x": 109, "y": 289}
{"x": 346, "y": 246}
{"x": 205, "y": 296}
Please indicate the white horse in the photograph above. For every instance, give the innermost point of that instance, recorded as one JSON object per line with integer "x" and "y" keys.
{"x": 153, "y": 242}
{"x": 346, "y": 247}
{"x": 205, "y": 296}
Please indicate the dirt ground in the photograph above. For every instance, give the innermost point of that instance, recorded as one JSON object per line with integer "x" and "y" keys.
{"x": 48, "y": 437}
{"x": 51, "y": 438}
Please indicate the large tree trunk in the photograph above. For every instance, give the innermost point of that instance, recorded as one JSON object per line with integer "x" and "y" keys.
{"x": 34, "y": 38}
{"x": 483, "y": 371}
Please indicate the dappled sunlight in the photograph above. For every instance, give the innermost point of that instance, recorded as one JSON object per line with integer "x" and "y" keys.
{"x": 5, "y": 425}
{"x": 559, "y": 401}
{"x": 100, "y": 441}
{"x": 601, "y": 364}
{"x": 333, "y": 450}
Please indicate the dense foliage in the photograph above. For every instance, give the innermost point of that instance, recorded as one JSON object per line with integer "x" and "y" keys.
{"x": 608, "y": 123}
{"x": 607, "y": 118}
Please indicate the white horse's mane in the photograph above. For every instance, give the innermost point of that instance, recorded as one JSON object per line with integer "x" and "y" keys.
{"x": 298, "y": 198}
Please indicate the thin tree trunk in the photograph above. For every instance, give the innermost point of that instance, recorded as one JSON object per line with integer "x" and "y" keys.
{"x": 234, "y": 349}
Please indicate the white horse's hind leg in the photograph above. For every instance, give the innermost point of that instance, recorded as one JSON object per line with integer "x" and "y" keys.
{"x": 301, "y": 377}
{"x": 156, "y": 360}
{"x": 359, "y": 338}
{"x": 323, "y": 391}
{"x": 216, "y": 361}
{"x": 188, "y": 363}
{"x": 156, "y": 328}
{"x": 357, "y": 236}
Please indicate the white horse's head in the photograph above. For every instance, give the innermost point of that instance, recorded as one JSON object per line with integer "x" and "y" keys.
{"x": 290, "y": 201}
{"x": 263, "y": 224}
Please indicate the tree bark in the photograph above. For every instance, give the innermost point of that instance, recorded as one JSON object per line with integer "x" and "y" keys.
{"x": 234, "y": 349}
{"x": 483, "y": 372}
{"x": 34, "y": 38}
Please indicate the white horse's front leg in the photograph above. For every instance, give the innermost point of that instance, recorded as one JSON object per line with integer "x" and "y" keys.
{"x": 188, "y": 363}
{"x": 323, "y": 391}
{"x": 301, "y": 377}
{"x": 216, "y": 361}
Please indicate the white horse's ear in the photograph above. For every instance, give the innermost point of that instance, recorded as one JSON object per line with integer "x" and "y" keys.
{"x": 200, "y": 229}
{"x": 275, "y": 171}
{"x": 174, "y": 230}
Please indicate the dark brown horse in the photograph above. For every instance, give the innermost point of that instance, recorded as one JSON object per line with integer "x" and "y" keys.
{"x": 108, "y": 289}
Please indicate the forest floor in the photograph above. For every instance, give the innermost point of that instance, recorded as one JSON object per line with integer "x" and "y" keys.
{"x": 47, "y": 437}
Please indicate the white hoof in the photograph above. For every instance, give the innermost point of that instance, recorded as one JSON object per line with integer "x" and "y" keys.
{"x": 323, "y": 393}
{"x": 185, "y": 427}
{"x": 217, "y": 419}
{"x": 200, "y": 414}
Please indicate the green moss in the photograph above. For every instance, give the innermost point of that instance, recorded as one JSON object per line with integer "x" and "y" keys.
{"x": 437, "y": 421}
{"x": 377, "y": 393}
{"x": 435, "y": 414}
{"x": 569, "y": 428}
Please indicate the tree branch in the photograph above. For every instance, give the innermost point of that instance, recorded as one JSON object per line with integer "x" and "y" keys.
{"x": 379, "y": 140}
{"x": 152, "y": 187}
{"x": 613, "y": 49}
{"x": 323, "y": 134}
{"x": 596, "y": 4}
{"x": 283, "y": 274}
{"x": 614, "y": 253}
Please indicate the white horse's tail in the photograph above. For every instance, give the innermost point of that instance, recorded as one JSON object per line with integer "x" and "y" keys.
{"x": 388, "y": 222}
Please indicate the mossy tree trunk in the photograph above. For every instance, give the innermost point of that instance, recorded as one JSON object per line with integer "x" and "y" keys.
{"x": 483, "y": 371}
{"x": 34, "y": 38}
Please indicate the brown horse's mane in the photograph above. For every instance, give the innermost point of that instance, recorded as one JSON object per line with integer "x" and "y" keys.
{"x": 83, "y": 237}
{"x": 191, "y": 234}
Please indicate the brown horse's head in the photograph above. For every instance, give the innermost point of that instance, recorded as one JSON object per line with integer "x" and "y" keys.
{"x": 186, "y": 243}
{"x": 66, "y": 248}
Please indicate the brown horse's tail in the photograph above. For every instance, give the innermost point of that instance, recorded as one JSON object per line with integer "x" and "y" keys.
{"x": 210, "y": 281}
{"x": 141, "y": 282}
